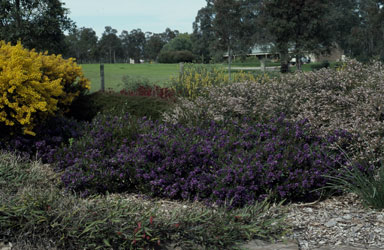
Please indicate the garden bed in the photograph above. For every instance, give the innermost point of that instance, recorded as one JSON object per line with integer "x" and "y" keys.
{"x": 226, "y": 160}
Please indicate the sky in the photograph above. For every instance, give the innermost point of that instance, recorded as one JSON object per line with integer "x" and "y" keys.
{"x": 148, "y": 15}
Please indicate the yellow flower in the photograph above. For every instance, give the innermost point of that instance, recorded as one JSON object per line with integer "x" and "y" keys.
{"x": 33, "y": 85}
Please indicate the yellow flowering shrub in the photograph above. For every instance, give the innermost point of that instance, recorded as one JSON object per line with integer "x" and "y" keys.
{"x": 195, "y": 78}
{"x": 35, "y": 85}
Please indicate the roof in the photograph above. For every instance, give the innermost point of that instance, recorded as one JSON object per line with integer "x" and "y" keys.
{"x": 261, "y": 49}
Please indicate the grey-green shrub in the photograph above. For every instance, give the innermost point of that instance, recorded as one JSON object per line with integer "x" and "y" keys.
{"x": 349, "y": 98}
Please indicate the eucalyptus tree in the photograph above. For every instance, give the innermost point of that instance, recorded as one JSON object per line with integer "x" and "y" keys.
{"x": 110, "y": 45}
{"x": 179, "y": 43}
{"x": 38, "y": 24}
{"x": 82, "y": 44}
{"x": 301, "y": 25}
{"x": 169, "y": 34}
{"x": 154, "y": 44}
{"x": 203, "y": 35}
{"x": 366, "y": 40}
{"x": 133, "y": 44}
{"x": 233, "y": 25}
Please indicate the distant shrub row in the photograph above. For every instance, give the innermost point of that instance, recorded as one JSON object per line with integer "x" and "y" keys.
{"x": 176, "y": 56}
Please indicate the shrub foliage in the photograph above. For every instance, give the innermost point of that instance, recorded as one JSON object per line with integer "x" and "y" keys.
{"x": 35, "y": 85}
{"x": 348, "y": 98}
{"x": 176, "y": 56}
{"x": 233, "y": 163}
{"x": 196, "y": 78}
{"x": 221, "y": 143}
{"x": 36, "y": 214}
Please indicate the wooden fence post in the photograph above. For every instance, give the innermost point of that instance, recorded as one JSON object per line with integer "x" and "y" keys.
{"x": 181, "y": 70}
{"x": 262, "y": 63}
{"x": 102, "y": 77}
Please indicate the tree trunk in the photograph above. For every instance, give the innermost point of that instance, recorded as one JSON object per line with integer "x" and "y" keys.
{"x": 18, "y": 14}
{"x": 110, "y": 55}
{"x": 18, "y": 19}
{"x": 262, "y": 63}
{"x": 298, "y": 62}
{"x": 284, "y": 64}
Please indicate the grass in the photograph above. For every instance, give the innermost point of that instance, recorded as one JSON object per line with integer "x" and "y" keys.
{"x": 368, "y": 187}
{"x": 36, "y": 214}
{"x": 158, "y": 74}
{"x": 251, "y": 62}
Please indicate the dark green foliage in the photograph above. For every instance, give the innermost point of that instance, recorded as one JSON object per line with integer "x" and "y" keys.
{"x": 153, "y": 47}
{"x": 368, "y": 186}
{"x": 176, "y": 56}
{"x": 233, "y": 27}
{"x": 110, "y": 46}
{"x": 303, "y": 24}
{"x": 180, "y": 43}
{"x": 358, "y": 28}
{"x": 82, "y": 44}
{"x": 38, "y": 24}
{"x": 322, "y": 65}
{"x": 203, "y": 36}
{"x": 133, "y": 44}
{"x": 232, "y": 24}
{"x": 51, "y": 134}
{"x": 86, "y": 107}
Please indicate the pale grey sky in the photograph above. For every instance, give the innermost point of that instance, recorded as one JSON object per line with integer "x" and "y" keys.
{"x": 148, "y": 15}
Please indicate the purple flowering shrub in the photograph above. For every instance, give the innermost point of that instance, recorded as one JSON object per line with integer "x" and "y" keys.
{"x": 236, "y": 163}
{"x": 92, "y": 163}
{"x": 233, "y": 163}
{"x": 49, "y": 135}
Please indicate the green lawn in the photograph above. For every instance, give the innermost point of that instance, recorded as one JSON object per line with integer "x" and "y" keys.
{"x": 156, "y": 73}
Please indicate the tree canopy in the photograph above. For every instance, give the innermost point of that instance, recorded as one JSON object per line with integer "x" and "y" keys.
{"x": 154, "y": 44}
{"x": 180, "y": 42}
{"x": 82, "y": 43}
{"x": 110, "y": 45}
{"x": 38, "y": 24}
{"x": 203, "y": 34}
{"x": 300, "y": 25}
{"x": 365, "y": 23}
{"x": 221, "y": 27}
{"x": 133, "y": 44}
